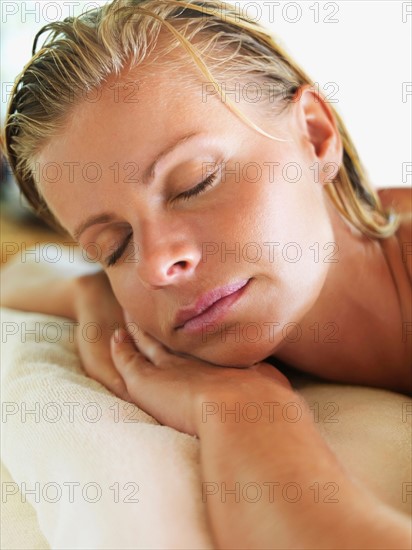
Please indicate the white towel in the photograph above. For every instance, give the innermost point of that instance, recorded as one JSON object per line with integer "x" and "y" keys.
{"x": 99, "y": 472}
{"x": 19, "y": 527}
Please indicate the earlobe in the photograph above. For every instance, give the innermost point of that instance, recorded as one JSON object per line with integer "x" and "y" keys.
{"x": 319, "y": 127}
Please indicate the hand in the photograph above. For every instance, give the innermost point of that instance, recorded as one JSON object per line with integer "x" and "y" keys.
{"x": 98, "y": 314}
{"x": 172, "y": 388}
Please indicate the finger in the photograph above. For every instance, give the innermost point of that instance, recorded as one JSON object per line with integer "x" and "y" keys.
{"x": 98, "y": 364}
{"x": 151, "y": 348}
{"x": 110, "y": 378}
{"x": 126, "y": 357}
{"x": 117, "y": 385}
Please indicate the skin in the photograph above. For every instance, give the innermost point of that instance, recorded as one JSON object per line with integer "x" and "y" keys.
{"x": 166, "y": 266}
{"x": 171, "y": 375}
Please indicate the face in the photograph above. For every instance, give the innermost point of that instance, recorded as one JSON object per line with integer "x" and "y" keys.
{"x": 259, "y": 220}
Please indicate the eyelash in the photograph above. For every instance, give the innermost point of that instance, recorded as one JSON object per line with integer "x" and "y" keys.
{"x": 200, "y": 187}
{"x": 117, "y": 254}
{"x": 186, "y": 195}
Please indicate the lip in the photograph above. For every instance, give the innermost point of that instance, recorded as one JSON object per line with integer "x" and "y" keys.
{"x": 210, "y": 306}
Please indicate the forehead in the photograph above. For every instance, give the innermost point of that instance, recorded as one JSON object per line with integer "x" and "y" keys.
{"x": 137, "y": 108}
{"x": 126, "y": 124}
{"x": 165, "y": 94}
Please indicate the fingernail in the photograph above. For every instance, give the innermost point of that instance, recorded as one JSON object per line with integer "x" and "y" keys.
{"x": 119, "y": 335}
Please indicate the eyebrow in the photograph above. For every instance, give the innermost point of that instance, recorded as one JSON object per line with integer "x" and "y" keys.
{"x": 92, "y": 220}
{"x": 150, "y": 173}
{"x": 147, "y": 179}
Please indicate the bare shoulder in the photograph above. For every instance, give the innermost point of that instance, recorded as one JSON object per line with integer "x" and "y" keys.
{"x": 400, "y": 199}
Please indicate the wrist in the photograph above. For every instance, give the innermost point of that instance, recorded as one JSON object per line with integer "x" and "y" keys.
{"x": 251, "y": 408}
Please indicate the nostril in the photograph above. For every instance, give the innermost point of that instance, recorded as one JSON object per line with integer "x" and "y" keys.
{"x": 181, "y": 265}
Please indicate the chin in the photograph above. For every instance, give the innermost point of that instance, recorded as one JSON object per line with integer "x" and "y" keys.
{"x": 239, "y": 355}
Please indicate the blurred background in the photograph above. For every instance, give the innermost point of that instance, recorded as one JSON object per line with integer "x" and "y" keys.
{"x": 357, "y": 52}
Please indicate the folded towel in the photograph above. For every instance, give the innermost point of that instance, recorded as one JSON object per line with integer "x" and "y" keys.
{"x": 99, "y": 472}
{"x": 19, "y": 527}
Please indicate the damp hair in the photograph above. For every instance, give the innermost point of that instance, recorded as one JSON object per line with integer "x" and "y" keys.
{"x": 80, "y": 54}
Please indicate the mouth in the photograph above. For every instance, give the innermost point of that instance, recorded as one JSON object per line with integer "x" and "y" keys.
{"x": 211, "y": 307}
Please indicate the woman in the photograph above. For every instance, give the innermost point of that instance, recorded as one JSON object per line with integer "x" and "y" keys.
{"x": 124, "y": 139}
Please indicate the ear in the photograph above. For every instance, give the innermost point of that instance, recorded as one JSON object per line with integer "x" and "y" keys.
{"x": 318, "y": 131}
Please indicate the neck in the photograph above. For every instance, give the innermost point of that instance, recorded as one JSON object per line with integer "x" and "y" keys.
{"x": 351, "y": 333}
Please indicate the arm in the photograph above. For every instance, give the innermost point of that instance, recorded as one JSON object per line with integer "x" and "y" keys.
{"x": 78, "y": 292}
{"x": 275, "y": 484}
{"x": 266, "y": 456}
{"x": 25, "y": 286}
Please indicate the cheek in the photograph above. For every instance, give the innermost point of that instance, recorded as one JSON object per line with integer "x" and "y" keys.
{"x": 295, "y": 207}
{"x": 288, "y": 220}
{"x": 306, "y": 250}
{"x": 134, "y": 300}
{"x": 295, "y": 235}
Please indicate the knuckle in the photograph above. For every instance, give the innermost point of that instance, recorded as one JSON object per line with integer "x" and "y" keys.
{"x": 118, "y": 385}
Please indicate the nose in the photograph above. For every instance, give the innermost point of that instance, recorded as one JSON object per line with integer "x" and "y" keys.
{"x": 166, "y": 256}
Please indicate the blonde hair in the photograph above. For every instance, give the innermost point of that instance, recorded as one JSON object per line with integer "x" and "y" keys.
{"x": 81, "y": 53}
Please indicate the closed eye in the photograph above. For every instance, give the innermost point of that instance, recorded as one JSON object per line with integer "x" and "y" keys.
{"x": 199, "y": 188}
{"x": 118, "y": 253}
